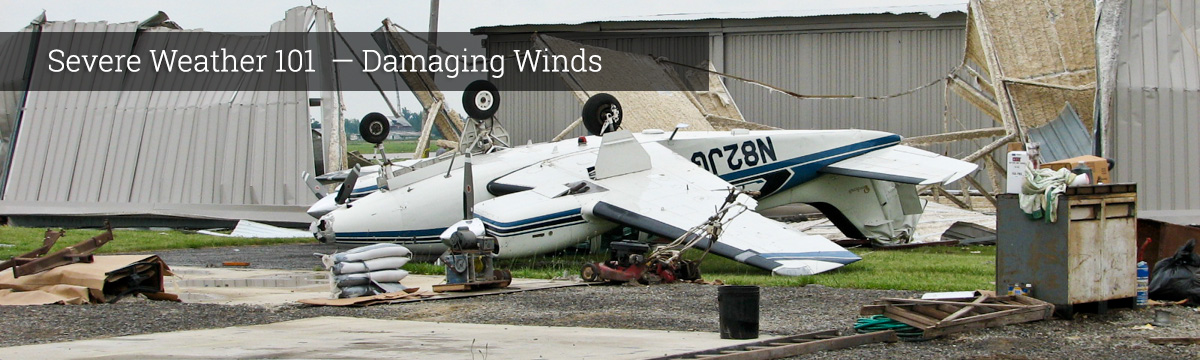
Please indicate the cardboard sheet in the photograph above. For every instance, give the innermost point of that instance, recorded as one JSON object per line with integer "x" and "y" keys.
{"x": 105, "y": 279}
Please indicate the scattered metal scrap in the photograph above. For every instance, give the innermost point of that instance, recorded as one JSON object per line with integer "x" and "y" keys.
{"x": 108, "y": 279}
{"x": 965, "y": 233}
{"x": 947, "y": 316}
{"x": 34, "y": 262}
{"x": 789, "y": 346}
{"x": 47, "y": 242}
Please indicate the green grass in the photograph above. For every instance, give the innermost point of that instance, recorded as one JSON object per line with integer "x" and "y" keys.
{"x": 390, "y": 146}
{"x": 27, "y": 239}
{"x": 945, "y": 268}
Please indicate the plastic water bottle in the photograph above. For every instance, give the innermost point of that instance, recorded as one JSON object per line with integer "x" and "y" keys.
{"x": 1143, "y": 283}
{"x": 1083, "y": 169}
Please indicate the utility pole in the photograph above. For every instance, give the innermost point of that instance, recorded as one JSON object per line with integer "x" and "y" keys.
{"x": 433, "y": 20}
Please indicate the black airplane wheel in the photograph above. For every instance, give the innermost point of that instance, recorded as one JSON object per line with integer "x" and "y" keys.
{"x": 601, "y": 114}
{"x": 374, "y": 128}
{"x": 481, "y": 99}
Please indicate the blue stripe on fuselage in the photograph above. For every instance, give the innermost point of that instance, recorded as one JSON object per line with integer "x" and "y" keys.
{"x": 517, "y": 223}
{"x": 424, "y": 233}
{"x": 805, "y": 167}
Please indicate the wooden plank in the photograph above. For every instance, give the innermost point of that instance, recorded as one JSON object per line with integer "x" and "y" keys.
{"x": 931, "y": 310}
{"x": 869, "y": 310}
{"x": 950, "y": 197}
{"x": 813, "y": 346}
{"x": 908, "y": 317}
{"x": 424, "y": 88}
{"x": 964, "y": 310}
{"x": 1000, "y": 321}
{"x": 426, "y": 131}
{"x": 450, "y": 287}
{"x": 923, "y": 301}
{"x": 977, "y": 185}
{"x": 773, "y": 342}
{"x": 982, "y": 317}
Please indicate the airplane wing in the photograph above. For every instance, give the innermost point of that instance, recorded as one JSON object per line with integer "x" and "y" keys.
{"x": 903, "y": 164}
{"x": 675, "y": 195}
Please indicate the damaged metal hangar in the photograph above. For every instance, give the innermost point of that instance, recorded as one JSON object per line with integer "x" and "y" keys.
{"x": 181, "y": 159}
{"x": 155, "y": 158}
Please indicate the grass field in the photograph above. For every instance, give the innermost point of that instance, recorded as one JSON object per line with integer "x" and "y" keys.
{"x": 944, "y": 268}
{"x": 390, "y": 146}
{"x": 24, "y": 240}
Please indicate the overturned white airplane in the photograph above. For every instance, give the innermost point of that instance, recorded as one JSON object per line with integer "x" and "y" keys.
{"x": 545, "y": 197}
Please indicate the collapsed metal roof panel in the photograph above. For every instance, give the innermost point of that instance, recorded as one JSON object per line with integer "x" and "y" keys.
{"x": 753, "y": 10}
{"x": 164, "y": 153}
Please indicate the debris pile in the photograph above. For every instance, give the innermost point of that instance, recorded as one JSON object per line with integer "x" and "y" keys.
{"x": 73, "y": 275}
{"x": 367, "y": 270}
{"x": 936, "y": 317}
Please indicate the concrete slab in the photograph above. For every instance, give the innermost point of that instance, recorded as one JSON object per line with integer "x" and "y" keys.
{"x": 263, "y": 287}
{"x": 354, "y": 338}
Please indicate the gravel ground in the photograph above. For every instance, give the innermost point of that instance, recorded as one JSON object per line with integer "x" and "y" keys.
{"x": 688, "y": 307}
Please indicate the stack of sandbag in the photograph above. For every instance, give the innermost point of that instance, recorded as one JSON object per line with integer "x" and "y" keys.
{"x": 367, "y": 270}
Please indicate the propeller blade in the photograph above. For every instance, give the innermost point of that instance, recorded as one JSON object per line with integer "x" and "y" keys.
{"x": 468, "y": 190}
{"x": 347, "y": 187}
{"x": 313, "y": 185}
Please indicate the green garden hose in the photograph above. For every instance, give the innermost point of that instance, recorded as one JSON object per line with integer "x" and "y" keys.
{"x": 880, "y": 323}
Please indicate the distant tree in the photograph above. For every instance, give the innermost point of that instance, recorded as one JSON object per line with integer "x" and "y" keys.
{"x": 351, "y": 126}
{"x": 413, "y": 117}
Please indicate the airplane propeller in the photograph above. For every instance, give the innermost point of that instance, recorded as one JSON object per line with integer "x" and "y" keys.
{"x": 468, "y": 190}
{"x": 347, "y": 187}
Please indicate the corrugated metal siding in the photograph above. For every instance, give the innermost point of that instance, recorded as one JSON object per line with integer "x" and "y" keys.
{"x": 862, "y": 59}
{"x": 865, "y": 62}
{"x": 1155, "y": 132}
{"x": 540, "y": 115}
{"x": 160, "y": 152}
{"x": 14, "y": 57}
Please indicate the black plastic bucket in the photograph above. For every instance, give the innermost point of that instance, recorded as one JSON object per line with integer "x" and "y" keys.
{"x": 739, "y": 311}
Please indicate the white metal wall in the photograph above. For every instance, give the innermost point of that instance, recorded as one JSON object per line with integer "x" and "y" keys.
{"x": 210, "y": 154}
{"x": 1156, "y": 130}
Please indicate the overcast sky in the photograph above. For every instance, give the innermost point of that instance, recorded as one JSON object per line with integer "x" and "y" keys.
{"x": 455, "y": 15}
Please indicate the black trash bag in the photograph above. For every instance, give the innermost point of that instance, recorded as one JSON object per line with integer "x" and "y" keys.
{"x": 1175, "y": 278}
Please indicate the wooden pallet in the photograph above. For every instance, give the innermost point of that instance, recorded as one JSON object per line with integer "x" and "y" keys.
{"x": 788, "y": 346}
{"x": 947, "y": 316}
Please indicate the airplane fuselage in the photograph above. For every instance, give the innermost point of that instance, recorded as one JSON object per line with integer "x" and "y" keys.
{"x": 417, "y": 206}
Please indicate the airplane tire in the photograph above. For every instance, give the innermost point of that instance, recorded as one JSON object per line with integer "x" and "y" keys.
{"x": 481, "y": 99}
{"x": 374, "y": 128}
{"x": 590, "y": 273}
{"x": 598, "y": 109}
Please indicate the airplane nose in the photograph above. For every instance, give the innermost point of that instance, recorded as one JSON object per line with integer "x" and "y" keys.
{"x": 322, "y": 229}
{"x": 322, "y": 207}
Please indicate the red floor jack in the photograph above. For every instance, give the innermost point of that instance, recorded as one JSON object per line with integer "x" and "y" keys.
{"x": 627, "y": 262}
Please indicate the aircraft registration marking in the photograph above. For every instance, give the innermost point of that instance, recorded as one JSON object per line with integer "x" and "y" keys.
{"x": 749, "y": 153}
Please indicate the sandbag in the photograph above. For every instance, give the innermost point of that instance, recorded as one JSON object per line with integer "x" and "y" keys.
{"x": 387, "y": 263}
{"x": 355, "y": 291}
{"x": 1175, "y": 278}
{"x": 343, "y": 281}
{"x": 372, "y": 288}
{"x": 381, "y": 251}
